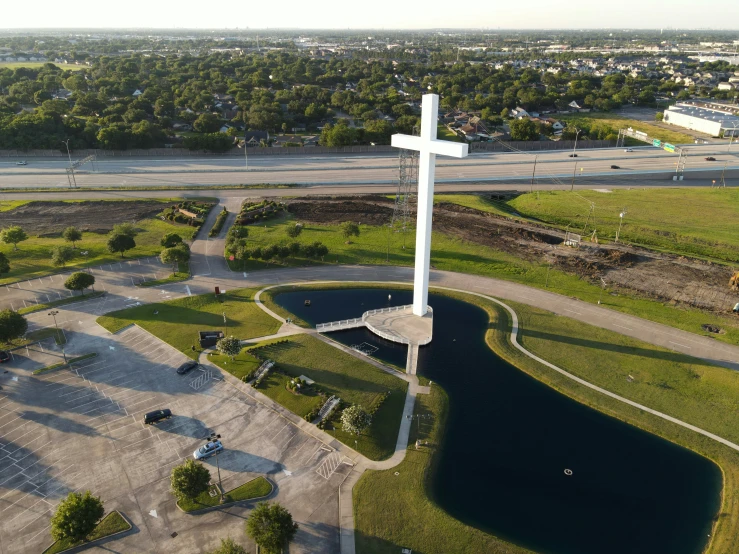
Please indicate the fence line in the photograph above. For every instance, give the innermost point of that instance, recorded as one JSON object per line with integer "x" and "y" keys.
{"x": 298, "y": 151}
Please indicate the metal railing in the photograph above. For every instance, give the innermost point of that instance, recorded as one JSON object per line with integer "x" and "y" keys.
{"x": 342, "y": 324}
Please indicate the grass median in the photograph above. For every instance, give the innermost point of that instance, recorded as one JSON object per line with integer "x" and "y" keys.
{"x": 393, "y": 511}
{"x": 69, "y": 362}
{"x": 111, "y": 524}
{"x": 256, "y": 488}
{"x": 61, "y": 302}
{"x": 340, "y": 374}
{"x": 37, "y": 336}
{"x": 182, "y": 274}
{"x": 177, "y": 322}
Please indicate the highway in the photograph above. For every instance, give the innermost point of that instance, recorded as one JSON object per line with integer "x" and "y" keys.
{"x": 555, "y": 167}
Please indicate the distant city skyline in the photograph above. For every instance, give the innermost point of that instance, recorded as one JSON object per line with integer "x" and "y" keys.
{"x": 379, "y": 14}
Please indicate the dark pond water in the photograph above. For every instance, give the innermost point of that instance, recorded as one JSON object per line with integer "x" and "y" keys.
{"x": 509, "y": 439}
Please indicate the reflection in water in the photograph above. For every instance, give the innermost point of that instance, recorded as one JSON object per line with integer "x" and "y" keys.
{"x": 509, "y": 440}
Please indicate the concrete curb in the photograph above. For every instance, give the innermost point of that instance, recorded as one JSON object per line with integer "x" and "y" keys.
{"x": 272, "y": 493}
{"x": 101, "y": 540}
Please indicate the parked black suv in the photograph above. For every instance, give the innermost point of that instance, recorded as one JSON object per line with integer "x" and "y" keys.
{"x": 157, "y": 415}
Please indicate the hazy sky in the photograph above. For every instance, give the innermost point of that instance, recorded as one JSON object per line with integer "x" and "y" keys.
{"x": 388, "y": 14}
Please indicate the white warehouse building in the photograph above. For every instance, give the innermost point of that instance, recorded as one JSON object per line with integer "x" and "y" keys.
{"x": 715, "y": 119}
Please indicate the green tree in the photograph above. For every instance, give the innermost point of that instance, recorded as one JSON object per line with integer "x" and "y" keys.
{"x": 524, "y": 129}
{"x": 349, "y": 229}
{"x": 12, "y": 326}
{"x": 190, "y": 479}
{"x": 229, "y": 346}
{"x": 79, "y": 281}
{"x": 127, "y": 229}
{"x": 171, "y": 239}
{"x": 4, "y": 264}
{"x": 120, "y": 243}
{"x": 294, "y": 231}
{"x": 179, "y": 254}
{"x": 271, "y": 526}
{"x": 229, "y": 546}
{"x": 60, "y": 255}
{"x": 72, "y": 234}
{"x": 76, "y": 516}
{"x": 13, "y": 235}
{"x": 659, "y": 116}
{"x": 207, "y": 123}
{"x": 355, "y": 419}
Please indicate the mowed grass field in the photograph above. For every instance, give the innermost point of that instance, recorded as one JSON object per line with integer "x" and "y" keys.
{"x": 36, "y": 65}
{"x": 700, "y": 222}
{"x": 337, "y": 373}
{"x": 654, "y": 131}
{"x": 178, "y": 321}
{"x": 393, "y": 511}
{"x": 453, "y": 254}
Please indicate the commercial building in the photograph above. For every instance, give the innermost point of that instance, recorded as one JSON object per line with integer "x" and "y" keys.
{"x": 706, "y": 116}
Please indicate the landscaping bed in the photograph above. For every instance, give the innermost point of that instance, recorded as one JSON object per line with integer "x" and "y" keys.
{"x": 111, "y": 524}
{"x": 61, "y": 302}
{"x": 256, "y": 488}
{"x": 69, "y": 362}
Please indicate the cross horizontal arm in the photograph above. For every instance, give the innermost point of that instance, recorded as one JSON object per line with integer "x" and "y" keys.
{"x": 441, "y": 147}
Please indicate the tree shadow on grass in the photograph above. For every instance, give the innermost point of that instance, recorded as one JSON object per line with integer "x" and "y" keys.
{"x": 635, "y": 351}
{"x": 370, "y": 543}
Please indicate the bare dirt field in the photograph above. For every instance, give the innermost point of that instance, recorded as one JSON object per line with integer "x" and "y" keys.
{"x": 648, "y": 273}
{"x": 50, "y": 218}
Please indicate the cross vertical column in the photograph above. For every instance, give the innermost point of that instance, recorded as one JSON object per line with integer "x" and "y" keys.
{"x": 426, "y": 174}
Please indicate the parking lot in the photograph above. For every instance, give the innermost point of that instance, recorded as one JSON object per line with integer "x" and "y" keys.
{"x": 73, "y": 430}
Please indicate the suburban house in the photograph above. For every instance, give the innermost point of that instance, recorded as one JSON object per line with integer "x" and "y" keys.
{"x": 137, "y": 93}
{"x": 254, "y": 138}
{"x": 519, "y": 113}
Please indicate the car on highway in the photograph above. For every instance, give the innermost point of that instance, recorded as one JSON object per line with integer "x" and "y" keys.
{"x": 21, "y": 163}
{"x": 187, "y": 367}
{"x": 4, "y": 356}
{"x": 207, "y": 450}
{"x": 629, "y": 150}
{"x": 710, "y": 159}
{"x": 573, "y": 155}
{"x": 615, "y": 167}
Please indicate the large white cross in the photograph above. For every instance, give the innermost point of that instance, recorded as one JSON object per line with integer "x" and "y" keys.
{"x": 428, "y": 147}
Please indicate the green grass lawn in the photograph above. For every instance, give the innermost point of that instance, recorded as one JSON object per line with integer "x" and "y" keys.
{"x": 696, "y": 222}
{"x": 453, "y": 254}
{"x": 654, "y": 131}
{"x": 393, "y": 511}
{"x": 7, "y": 205}
{"x": 239, "y": 367}
{"x": 36, "y": 65}
{"x": 338, "y": 373}
{"x": 110, "y": 524}
{"x": 274, "y": 385}
{"x": 33, "y": 257}
{"x": 61, "y": 302}
{"x": 179, "y": 321}
{"x": 256, "y": 488}
{"x": 445, "y": 134}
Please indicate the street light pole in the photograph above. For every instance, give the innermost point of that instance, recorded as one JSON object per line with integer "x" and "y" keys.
{"x": 574, "y": 171}
{"x": 53, "y": 313}
{"x": 620, "y": 222}
{"x": 574, "y": 150}
{"x": 533, "y": 174}
{"x": 213, "y": 437}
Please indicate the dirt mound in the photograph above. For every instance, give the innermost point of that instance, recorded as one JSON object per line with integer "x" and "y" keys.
{"x": 51, "y": 218}
{"x": 336, "y": 211}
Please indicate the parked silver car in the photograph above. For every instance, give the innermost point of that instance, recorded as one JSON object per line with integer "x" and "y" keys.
{"x": 207, "y": 450}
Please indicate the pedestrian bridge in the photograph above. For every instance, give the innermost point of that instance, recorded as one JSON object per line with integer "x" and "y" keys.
{"x": 396, "y": 324}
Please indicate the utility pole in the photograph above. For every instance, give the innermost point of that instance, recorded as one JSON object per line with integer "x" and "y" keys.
{"x": 53, "y": 313}
{"x": 533, "y": 174}
{"x": 723, "y": 173}
{"x": 246, "y": 161}
{"x": 71, "y": 169}
{"x": 574, "y": 150}
{"x": 574, "y": 171}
